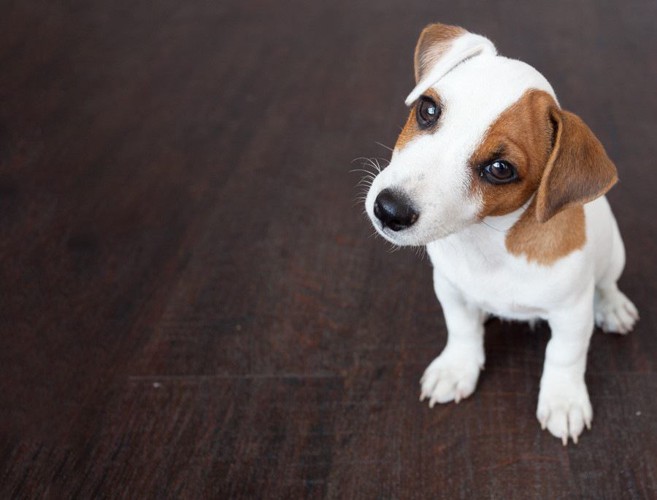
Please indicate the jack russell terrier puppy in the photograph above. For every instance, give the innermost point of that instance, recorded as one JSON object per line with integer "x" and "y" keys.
{"x": 505, "y": 189}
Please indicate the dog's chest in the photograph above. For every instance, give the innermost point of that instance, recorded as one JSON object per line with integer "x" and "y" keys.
{"x": 480, "y": 268}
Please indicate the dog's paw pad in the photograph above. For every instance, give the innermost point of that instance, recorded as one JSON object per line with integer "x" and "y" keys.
{"x": 449, "y": 378}
{"x": 565, "y": 413}
{"x": 615, "y": 313}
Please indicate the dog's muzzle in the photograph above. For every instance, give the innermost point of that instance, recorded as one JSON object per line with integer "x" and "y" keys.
{"x": 394, "y": 210}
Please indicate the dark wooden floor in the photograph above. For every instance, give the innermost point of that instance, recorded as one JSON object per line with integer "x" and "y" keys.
{"x": 191, "y": 302}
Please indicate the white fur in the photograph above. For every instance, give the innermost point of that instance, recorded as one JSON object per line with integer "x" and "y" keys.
{"x": 475, "y": 275}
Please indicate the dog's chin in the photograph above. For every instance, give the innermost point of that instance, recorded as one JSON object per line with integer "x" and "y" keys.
{"x": 411, "y": 237}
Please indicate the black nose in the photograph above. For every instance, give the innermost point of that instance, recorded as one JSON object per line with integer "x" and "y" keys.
{"x": 394, "y": 210}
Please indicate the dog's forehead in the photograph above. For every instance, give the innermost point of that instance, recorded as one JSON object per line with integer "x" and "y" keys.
{"x": 476, "y": 92}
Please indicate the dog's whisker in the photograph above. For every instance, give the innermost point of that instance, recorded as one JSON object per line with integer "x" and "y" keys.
{"x": 377, "y": 160}
{"x": 354, "y": 170}
{"x": 373, "y": 163}
{"x": 365, "y": 167}
{"x": 368, "y": 166}
{"x": 393, "y": 248}
{"x": 383, "y": 146}
{"x": 420, "y": 251}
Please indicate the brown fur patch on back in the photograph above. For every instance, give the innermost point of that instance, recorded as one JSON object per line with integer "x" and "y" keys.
{"x": 434, "y": 41}
{"x": 522, "y": 135}
{"x": 547, "y": 242}
{"x": 411, "y": 129}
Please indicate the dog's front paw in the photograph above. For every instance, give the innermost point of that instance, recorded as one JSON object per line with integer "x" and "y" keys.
{"x": 564, "y": 408}
{"x": 452, "y": 376}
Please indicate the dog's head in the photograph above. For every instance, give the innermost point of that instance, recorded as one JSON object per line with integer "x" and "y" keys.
{"x": 484, "y": 135}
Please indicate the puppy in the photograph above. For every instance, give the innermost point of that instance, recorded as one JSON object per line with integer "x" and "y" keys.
{"x": 505, "y": 189}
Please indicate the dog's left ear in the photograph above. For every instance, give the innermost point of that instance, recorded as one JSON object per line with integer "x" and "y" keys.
{"x": 439, "y": 49}
{"x": 434, "y": 42}
{"x": 578, "y": 170}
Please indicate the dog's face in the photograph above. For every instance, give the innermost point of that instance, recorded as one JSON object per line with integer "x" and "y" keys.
{"x": 484, "y": 135}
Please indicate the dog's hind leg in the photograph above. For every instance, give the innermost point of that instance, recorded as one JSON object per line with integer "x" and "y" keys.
{"x": 614, "y": 312}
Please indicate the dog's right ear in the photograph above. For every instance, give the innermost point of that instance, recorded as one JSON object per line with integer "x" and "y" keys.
{"x": 439, "y": 49}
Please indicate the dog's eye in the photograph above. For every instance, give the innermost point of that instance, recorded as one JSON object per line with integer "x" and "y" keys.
{"x": 428, "y": 112}
{"x": 499, "y": 172}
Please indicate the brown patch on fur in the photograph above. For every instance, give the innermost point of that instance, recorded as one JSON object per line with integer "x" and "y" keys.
{"x": 559, "y": 159}
{"x": 434, "y": 41}
{"x": 522, "y": 135}
{"x": 578, "y": 171}
{"x": 547, "y": 242}
{"x": 411, "y": 129}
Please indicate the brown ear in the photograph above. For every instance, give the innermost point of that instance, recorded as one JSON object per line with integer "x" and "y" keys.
{"x": 578, "y": 170}
{"x": 434, "y": 41}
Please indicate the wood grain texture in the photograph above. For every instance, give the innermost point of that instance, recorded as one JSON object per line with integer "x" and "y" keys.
{"x": 191, "y": 305}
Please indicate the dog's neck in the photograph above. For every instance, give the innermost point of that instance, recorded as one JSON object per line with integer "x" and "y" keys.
{"x": 520, "y": 234}
{"x": 504, "y": 223}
